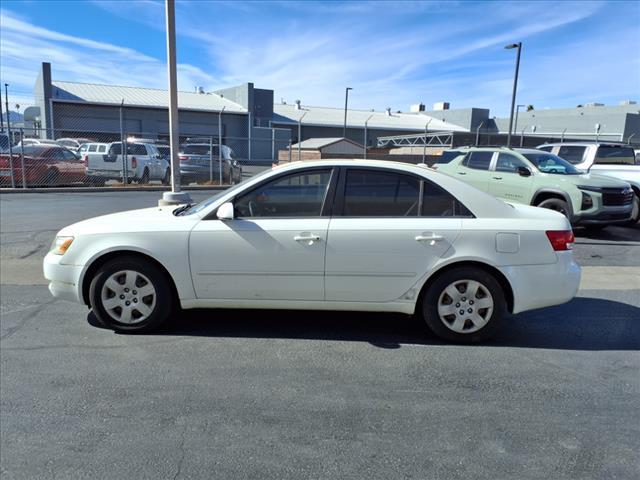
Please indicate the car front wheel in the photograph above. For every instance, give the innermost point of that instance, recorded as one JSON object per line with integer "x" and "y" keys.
{"x": 130, "y": 295}
{"x": 557, "y": 205}
{"x": 464, "y": 305}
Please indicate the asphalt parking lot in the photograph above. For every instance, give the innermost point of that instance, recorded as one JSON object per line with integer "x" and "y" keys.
{"x": 254, "y": 394}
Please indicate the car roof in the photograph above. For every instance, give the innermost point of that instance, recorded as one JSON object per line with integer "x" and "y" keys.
{"x": 585, "y": 144}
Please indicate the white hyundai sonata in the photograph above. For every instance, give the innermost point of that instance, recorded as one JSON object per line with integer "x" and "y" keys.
{"x": 326, "y": 235}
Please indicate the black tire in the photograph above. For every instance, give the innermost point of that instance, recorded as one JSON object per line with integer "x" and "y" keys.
{"x": 443, "y": 327}
{"x": 159, "y": 309}
{"x": 635, "y": 213}
{"x": 145, "y": 177}
{"x": 166, "y": 180}
{"x": 557, "y": 205}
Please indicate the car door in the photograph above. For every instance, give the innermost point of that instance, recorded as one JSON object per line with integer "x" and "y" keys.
{"x": 274, "y": 248}
{"x": 388, "y": 229}
{"x": 508, "y": 181}
{"x": 474, "y": 169}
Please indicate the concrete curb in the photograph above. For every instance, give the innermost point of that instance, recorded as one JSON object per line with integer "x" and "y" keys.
{"x": 108, "y": 189}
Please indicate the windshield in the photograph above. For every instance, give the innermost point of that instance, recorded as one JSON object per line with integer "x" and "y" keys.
{"x": 549, "y": 163}
{"x": 205, "y": 203}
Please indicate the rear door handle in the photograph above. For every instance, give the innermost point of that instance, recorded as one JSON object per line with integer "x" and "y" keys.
{"x": 461, "y": 173}
{"x": 432, "y": 239}
{"x": 308, "y": 239}
{"x": 497, "y": 178}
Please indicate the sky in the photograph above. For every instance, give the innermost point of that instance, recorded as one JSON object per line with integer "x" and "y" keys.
{"x": 393, "y": 54}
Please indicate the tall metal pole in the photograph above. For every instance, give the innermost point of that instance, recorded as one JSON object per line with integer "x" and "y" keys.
{"x": 211, "y": 159}
{"x": 220, "y": 145}
{"x": 175, "y": 196}
{"x": 478, "y": 132}
{"x": 424, "y": 146}
{"x": 515, "y": 87}
{"x": 346, "y": 102}
{"x": 24, "y": 172}
{"x": 366, "y": 123}
{"x": 6, "y": 99}
{"x": 300, "y": 133}
{"x": 515, "y": 122}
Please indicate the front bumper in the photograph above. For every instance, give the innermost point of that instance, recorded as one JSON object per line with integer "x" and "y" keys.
{"x": 605, "y": 215}
{"x": 64, "y": 280}
{"x": 538, "y": 286}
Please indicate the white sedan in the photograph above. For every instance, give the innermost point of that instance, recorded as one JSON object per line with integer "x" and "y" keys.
{"x": 325, "y": 235}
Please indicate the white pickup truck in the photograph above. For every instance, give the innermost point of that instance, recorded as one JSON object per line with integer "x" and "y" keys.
{"x": 610, "y": 159}
{"x": 144, "y": 163}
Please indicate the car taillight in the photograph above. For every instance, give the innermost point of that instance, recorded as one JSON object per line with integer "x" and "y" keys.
{"x": 561, "y": 239}
{"x": 183, "y": 158}
{"x": 134, "y": 162}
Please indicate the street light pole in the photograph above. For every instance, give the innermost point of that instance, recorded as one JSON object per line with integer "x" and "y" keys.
{"x": 346, "y": 102}
{"x": 220, "y": 145}
{"x": 6, "y": 99}
{"x": 515, "y": 87}
{"x": 175, "y": 196}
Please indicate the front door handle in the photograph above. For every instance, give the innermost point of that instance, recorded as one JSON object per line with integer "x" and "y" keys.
{"x": 432, "y": 239}
{"x": 308, "y": 239}
{"x": 497, "y": 178}
{"x": 462, "y": 173}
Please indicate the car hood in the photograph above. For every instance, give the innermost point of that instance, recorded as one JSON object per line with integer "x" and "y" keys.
{"x": 596, "y": 180}
{"x": 154, "y": 219}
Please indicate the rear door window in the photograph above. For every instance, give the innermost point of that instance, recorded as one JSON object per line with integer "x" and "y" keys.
{"x": 572, "y": 153}
{"x": 436, "y": 202}
{"x": 93, "y": 148}
{"x": 380, "y": 193}
{"x": 615, "y": 155}
{"x": 478, "y": 160}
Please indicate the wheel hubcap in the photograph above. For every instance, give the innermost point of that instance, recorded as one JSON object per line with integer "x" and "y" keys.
{"x": 128, "y": 297}
{"x": 465, "y": 306}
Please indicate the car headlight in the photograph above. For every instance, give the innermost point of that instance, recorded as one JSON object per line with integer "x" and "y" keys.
{"x": 60, "y": 245}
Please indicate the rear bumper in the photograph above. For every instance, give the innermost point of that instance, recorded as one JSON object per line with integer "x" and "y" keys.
{"x": 538, "y": 286}
{"x": 64, "y": 280}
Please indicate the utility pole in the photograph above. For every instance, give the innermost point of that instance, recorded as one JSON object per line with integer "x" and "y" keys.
{"x": 1, "y": 119}
{"x": 175, "y": 196}
{"x": 220, "y": 144}
{"x": 300, "y": 132}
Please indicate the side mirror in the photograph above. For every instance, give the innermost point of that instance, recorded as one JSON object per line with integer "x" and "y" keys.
{"x": 524, "y": 172}
{"x": 225, "y": 211}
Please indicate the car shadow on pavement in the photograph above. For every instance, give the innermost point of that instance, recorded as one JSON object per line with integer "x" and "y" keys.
{"x": 582, "y": 324}
{"x": 617, "y": 234}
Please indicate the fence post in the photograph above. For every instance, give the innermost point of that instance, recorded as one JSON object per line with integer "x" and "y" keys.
{"x": 24, "y": 173}
{"x": 220, "y": 145}
{"x": 273, "y": 145}
{"x": 123, "y": 145}
{"x": 289, "y": 149}
{"x": 249, "y": 138}
{"x": 211, "y": 159}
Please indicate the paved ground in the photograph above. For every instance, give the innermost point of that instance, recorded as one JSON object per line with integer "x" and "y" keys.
{"x": 250, "y": 394}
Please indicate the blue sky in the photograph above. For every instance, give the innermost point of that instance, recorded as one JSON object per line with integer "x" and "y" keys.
{"x": 393, "y": 54}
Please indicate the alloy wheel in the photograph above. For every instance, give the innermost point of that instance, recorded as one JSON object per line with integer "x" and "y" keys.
{"x": 465, "y": 306}
{"x": 128, "y": 297}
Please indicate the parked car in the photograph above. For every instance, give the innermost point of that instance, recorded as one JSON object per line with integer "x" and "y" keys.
{"x": 144, "y": 163}
{"x": 533, "y": 177}
{"x": 200, "y": 162}
{"x": 323, "y": 235}
{"x": 92, "y": 147}
{"x": 73, "y": 144}
{"x": 36, "y": 141}
{"x": 43, "y": 165}
{"x": 612, "y": 160}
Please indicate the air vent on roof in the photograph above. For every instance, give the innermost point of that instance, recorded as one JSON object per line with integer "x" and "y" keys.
{"x": 594, "y": 104}
{"x": 417, "y": 107}
{"x": 628, "y": 102}
{"x": 388, "y": 111}
{"x": 441, "y": 106}
{"x": 297, "y": 104}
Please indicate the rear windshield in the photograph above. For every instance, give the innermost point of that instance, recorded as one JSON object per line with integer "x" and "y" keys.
{"x": 549, "y": 163}
{"x": 612, "y": 154}
{"x": 198, "y": 149}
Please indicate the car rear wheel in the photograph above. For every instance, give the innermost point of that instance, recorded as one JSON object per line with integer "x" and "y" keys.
{"x": 52, "y": 177}
{"x": 166, "y": 180}
{"x": 464, "y": 305}
{"x": 130, "y": 295}
{"x": 145, "y": 176}
{"x": 557, "y": 205}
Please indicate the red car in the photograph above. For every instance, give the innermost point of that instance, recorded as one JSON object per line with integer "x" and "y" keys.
{"x": 43, "y": 165}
